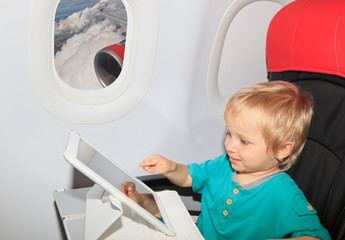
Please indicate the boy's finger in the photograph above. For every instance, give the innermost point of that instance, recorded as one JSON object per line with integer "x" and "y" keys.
{"x": 123, "y": 188}
{"x": 147, "y": 162}
{"x": 127, "y": 186}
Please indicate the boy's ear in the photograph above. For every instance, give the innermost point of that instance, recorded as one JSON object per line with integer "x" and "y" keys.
{"x": 285, "y": 150}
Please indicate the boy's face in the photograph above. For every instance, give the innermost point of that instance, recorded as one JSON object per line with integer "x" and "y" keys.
{"x": 246, "y": 147}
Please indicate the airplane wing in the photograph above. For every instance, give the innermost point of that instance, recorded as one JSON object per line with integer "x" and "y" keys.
{"x": 120, "y": 20}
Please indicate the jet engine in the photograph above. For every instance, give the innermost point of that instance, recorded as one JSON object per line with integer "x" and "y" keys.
{"x": 108, "y": 63}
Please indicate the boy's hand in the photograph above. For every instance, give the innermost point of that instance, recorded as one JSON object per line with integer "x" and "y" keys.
{"x": 144, "y": 200}
{"x": 128, "y": 188}
{"x": 177, "y": 173}
{"x": 157, "y": 164}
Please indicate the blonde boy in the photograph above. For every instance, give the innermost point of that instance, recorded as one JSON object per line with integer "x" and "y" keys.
{"x": 246, "y": 193}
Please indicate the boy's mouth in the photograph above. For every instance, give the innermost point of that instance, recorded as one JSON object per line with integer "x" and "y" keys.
{"x": 234, "y": 160}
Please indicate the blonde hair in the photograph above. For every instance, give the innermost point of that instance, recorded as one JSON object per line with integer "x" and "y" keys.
{"x": 284, "y": 112}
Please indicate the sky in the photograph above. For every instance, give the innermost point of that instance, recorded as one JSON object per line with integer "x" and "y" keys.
{"x": 85, "y": 32}
{"x": 67, "y": 7}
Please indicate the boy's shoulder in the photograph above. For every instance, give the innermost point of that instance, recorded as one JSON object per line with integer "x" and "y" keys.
{"x": 283, "y": 188}
{"x": 283, "y": 184}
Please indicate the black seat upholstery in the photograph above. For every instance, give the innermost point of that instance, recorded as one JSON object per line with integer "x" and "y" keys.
{"x": 320, "y": 169}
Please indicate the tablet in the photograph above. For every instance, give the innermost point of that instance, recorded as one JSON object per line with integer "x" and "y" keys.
{"x": 109, "y": 175}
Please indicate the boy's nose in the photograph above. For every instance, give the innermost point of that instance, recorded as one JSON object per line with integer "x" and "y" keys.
{"x": 229, "y": 145}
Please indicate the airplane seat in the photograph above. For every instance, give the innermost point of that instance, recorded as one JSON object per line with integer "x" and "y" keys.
{"x": 305, "y": 45}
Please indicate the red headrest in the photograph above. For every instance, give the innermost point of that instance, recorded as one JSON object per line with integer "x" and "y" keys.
{"x": 308, "y": 35}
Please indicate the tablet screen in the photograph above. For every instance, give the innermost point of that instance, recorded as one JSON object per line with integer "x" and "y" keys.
{"x": 107, "y": 169}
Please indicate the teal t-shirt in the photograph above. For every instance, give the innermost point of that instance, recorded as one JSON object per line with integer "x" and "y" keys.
{"x": 275, "y": 209}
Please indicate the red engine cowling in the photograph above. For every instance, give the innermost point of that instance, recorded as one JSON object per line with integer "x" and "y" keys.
{"x": 108, "y": 63}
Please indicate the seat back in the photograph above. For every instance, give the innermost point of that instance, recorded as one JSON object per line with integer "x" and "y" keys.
{"x": 306, "y": 45}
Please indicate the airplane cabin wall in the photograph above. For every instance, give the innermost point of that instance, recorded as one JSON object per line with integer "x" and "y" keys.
{"x": 174, "y": 119}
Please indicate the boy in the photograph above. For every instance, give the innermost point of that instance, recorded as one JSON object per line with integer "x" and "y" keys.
{"x": 246, "y": 193}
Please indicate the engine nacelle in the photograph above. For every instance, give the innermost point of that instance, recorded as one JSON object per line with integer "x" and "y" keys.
{"x": 108, "y": 63}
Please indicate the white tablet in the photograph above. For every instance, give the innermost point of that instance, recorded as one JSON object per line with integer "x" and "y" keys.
{"x": 109, "y": 175}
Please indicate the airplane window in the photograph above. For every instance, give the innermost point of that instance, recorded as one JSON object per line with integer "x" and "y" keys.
{"x": 91, "y": 61}
{"x": 243, "y": 59}
{"x": 238, "y": 54}
{"x": 89, "y": 42}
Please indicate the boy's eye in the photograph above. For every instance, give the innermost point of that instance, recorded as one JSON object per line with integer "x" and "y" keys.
{"x": 244, "y": 141}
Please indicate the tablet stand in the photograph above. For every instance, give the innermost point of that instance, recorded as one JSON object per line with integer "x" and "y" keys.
{"x": 89, "y": 206}
{"x": 101, "y": 212}
{"x": 90, "y": 213}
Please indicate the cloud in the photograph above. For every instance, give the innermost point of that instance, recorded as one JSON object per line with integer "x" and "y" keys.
{"x": 89, "y": 33}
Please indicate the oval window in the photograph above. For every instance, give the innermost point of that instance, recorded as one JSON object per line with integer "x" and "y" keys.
{"x": 239, "y": 49}
{"x": 92, "y": 61}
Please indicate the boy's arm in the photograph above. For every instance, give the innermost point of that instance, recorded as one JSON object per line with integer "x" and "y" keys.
{"x": 177, "y": 173}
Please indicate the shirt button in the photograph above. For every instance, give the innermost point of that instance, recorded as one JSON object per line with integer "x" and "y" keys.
{"x": 236, "y": 191}
{"x": 229, "y": 201}
{"x": 310, "y": 208}
{"x": 225, "y": 213}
